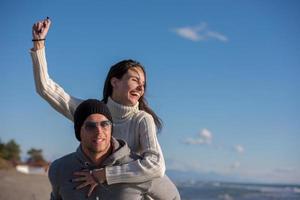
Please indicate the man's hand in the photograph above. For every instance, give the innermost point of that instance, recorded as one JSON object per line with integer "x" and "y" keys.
{"x": 40, "y": 29}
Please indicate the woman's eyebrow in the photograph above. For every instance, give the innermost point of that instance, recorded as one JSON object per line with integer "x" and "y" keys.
{"x": 135, "y": 76}
{"x": 138, "y": 79}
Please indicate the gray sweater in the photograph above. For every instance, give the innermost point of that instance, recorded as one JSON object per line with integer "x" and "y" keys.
{"x": 61, "y": 172}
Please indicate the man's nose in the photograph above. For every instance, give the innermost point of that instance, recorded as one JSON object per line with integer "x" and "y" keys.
{"x": 99, "y": 130}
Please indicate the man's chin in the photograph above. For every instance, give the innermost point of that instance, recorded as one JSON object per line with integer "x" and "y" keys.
{"x": 96, "y": 150}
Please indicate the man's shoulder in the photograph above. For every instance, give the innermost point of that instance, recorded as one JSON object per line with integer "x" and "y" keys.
{"x": 56, "y": 164}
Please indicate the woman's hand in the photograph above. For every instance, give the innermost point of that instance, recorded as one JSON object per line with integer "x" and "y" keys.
{"x": 39, "y": 33}
{"x": 89, "y": 177}
{"x": 40, "y": 29}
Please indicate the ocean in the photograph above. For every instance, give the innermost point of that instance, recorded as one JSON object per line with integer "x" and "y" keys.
{"x": 235, "y": 191}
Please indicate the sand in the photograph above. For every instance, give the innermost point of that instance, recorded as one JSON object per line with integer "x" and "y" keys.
{"x": 16, "y": 186}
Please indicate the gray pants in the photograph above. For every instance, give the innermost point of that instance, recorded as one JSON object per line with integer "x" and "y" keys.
{"x": 162, "y": 189}
{"x": 156, "y": 189}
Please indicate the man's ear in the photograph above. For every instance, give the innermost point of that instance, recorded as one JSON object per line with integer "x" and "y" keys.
{"x": 114, "y": 82}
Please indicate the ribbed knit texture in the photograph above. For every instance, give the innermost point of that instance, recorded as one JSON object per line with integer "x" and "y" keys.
{"x": 136, "y": 127}
{"x": 120, "y": 112}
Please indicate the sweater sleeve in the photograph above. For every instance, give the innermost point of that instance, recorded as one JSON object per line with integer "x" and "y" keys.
{"x": 53, "y": 93}
{"x": 151, "y": 165}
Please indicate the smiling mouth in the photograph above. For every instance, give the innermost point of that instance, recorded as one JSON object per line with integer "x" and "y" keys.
{"x": 99, "y": 140}
{"x": 135, "y": 94}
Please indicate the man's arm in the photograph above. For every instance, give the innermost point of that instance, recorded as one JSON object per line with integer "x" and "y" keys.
{"x": 53, "y": 176}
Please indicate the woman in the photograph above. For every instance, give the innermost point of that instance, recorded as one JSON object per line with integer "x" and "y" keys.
{"x": 123, "y": 92}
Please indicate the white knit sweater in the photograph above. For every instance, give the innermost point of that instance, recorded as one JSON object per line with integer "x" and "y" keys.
{"x": 134, "y": 126}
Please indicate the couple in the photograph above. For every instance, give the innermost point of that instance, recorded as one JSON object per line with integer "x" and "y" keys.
{"x": 109, "y": 169}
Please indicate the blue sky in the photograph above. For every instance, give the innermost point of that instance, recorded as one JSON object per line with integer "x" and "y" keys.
{"x": 223, "y": 76}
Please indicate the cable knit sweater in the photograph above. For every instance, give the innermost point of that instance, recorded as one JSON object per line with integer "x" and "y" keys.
{"x": 134, "y": 126}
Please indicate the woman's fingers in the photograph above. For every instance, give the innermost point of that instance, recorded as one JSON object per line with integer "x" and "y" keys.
{"x": 87, "y": 179}
{"x": 46, "y": 25}
{"x": 81, "y": 173}
{"x": 82, "y": 185}
{"x": 47, "y": 22}
{"x": 92, "y": 189}
{"x": 79, "y": 179}
{"x": 34, "y": 29}
{"x": 84, "y": 176}
{"x": 40, "y": 29}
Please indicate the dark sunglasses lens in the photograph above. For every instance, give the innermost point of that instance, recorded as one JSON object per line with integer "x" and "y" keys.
{"x": 105, "y": 124}
{"x": 90, "y": 126}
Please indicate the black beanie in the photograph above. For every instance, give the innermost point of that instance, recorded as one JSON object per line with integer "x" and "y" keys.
{"x": 85, "y": 109}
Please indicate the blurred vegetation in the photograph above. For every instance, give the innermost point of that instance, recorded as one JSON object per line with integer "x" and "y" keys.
{"x": 10, "y": 151}
{"x": 4, "y": 164}
{"x": 10, "y": 155}
{"x": 36, "y": 157}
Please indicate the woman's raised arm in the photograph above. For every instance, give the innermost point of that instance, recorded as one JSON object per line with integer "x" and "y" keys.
{"x": 53, "y": 93}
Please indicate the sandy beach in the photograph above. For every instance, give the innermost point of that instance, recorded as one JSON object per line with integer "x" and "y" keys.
{"x": 15, "y": 186}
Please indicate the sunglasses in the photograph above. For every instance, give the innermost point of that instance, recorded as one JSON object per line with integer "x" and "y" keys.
{"x": 92, "y": 126}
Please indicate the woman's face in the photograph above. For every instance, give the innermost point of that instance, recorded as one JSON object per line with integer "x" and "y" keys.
{"x": 129, "y": 89}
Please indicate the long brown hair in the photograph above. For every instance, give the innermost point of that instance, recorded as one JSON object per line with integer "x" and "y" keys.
{"x": 117, "y": 71}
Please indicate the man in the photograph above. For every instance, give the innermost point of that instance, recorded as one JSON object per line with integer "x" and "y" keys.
{"x": 93, "y": 127}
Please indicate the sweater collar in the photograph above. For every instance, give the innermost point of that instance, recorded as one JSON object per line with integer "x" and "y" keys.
{"x": 119, "y": 111}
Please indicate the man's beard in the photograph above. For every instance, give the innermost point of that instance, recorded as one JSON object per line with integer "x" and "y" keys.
{"x": 94, "y": 151}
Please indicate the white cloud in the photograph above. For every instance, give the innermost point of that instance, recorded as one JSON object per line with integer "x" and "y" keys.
{"x": 235, "y": 165}
{"x": 204, "y": 137}
{"x": 239, "y": 149}
{"x": 217, "y": 36}
{"x": 188, "y": 33}
{"x": 194, "y": 141}
{"x": 200, "y": 33}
